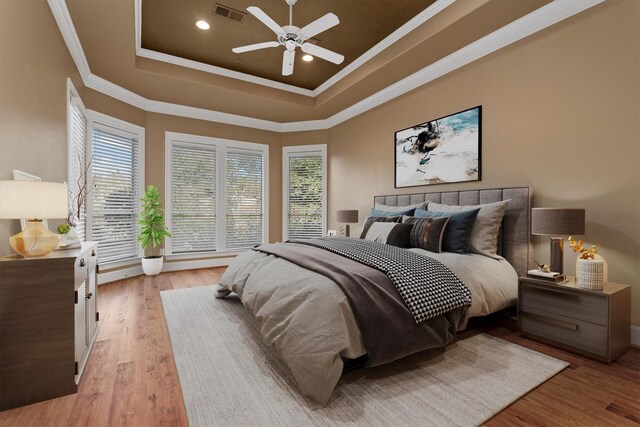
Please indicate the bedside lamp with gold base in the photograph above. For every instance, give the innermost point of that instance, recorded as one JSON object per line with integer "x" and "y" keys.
{"x": 36, "y": 201}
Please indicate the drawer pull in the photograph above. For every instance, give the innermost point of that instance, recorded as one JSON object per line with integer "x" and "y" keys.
{"x": 82, "y": 263}
{"x": 89, "y": 295}
{"x": 93, "y": 252}
{"x": 552, "y": 321}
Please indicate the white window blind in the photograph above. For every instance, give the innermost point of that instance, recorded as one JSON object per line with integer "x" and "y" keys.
{"x": 305, "y": 191}
{"x": 193, "y": 198}
{"x": 76, "y": 160}
{"x": 244, "y": 199}
{"x": 116, "y": 194}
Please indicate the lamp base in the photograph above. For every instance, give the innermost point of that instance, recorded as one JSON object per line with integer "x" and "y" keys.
{"x": 347, "y": 230}
{"x": 557, "y": 248}
{"x": 35, "y": 240}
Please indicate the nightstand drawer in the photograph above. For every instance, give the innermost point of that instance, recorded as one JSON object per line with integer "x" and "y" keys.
{"x": 582, "y": 306}
{"x": 571, "y": 332}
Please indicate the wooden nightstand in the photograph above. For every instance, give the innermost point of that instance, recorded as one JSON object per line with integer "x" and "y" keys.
{"x": 593, "y": 323}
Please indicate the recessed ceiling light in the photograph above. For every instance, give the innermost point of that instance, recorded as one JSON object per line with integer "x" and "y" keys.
{"x": 307, "y": 58}
{"x": 203, "y": 25}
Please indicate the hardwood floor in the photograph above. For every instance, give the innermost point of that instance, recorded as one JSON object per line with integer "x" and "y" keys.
{"x": 131, "y": 379}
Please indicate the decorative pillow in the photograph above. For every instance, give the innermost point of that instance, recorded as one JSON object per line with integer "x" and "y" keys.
{"x": 484, "y": 237}
{"x": 427, "y": 233}
{"x": 457, "y": 235}
{"x": 370, "y": 220}
{"x": 391, "y": 233}
{"x": 408, "y": 212}
{"x": 395, "y": 209}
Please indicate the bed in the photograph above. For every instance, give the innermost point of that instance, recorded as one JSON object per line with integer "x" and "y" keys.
{"x": 298, "y": 295}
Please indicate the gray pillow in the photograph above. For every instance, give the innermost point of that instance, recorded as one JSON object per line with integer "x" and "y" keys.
{"x": 484, "y": 237}
{"x": 393, "y": 209}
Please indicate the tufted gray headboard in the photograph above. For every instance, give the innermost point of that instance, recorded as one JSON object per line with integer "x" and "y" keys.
{"x": 514, "y": 242}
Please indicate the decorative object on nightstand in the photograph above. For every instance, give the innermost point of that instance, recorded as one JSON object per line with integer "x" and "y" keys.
{"x": 35, "y": 201}
{"x": 596, "y": 324}
{"x": 591, "y": 268}
{"x": 347, "y": 217}
{"x": 557, "y": 222}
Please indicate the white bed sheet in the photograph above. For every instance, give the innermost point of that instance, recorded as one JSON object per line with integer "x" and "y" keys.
{"x": 493, "y": 283}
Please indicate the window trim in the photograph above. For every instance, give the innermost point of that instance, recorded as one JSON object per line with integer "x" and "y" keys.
{"x": 99, "y": 120}
{"x": 72, "y": 93}
{"x": 222, "y": 147}
{"x": 302, "y": 151}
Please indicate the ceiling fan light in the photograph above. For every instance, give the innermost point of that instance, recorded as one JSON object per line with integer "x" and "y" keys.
{"x": 203, "y": 25}
{"x": 307, "y": 58}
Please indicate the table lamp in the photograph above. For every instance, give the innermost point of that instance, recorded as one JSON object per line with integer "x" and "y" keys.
{"x": 347, "y": 216}
{"x": 557, "y": 222}
{"x": 35, "y": 201}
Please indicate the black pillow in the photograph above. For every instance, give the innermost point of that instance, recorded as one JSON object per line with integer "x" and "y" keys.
{"x": 427, "y": 233}
{"x": 391, "y": 234}
{"x": 457, "y": 235}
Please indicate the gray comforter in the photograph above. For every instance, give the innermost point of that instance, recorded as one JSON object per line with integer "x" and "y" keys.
{"x": 310, "y": 321}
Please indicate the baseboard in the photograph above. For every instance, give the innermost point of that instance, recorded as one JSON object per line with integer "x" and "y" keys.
{"x": 635, "y": 336}
{"x": 123, "y": 273}
{"x": 194, "y": 264}
{"x": 119, "y": 274}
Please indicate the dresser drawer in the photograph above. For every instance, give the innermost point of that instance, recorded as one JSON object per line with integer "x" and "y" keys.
{"x": 572, "y": 332}
{"x": 582, "y": 306}
{"x": 81, "y": 270}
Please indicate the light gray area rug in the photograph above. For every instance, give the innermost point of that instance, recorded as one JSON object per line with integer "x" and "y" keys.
{"x": 229, "y": 377}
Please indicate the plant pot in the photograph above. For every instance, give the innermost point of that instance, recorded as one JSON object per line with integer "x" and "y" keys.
{"x": 72, "y": 235}
{"x": 151, "y": 266}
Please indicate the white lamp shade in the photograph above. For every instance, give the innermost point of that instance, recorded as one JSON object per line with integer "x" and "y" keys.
{"x": 33, "y": 200}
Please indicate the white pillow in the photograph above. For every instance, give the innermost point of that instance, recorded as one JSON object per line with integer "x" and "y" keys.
{"x": 484, "y": 236}
{"x": 379, "y": 231}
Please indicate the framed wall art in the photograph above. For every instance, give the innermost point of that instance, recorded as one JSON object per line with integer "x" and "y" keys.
{"x": 440, "y": 151}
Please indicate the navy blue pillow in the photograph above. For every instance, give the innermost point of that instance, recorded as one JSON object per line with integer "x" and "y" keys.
{"x": 408, "y": 212}
{"x": 457, "y": 234}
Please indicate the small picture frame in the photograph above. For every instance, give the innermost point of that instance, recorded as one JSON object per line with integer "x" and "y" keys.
{"x": 332, "y": 233}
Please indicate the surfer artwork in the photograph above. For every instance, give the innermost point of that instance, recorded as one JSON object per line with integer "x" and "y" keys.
{"x": 439, "y": 151}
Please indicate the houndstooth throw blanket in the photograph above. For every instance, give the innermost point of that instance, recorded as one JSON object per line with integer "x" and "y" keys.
{"x": 428, "y": 287}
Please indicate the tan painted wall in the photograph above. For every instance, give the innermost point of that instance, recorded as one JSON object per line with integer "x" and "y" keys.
{"x": 34, "y": 66}
{"x": 561, "y": 112}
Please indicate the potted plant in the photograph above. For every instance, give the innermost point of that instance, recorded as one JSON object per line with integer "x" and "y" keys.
{"x": 152, "y": 230}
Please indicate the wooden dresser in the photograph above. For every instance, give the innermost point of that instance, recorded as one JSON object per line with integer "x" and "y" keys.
{"x": 48, "y": 322}
{"x": 593, "y": 323}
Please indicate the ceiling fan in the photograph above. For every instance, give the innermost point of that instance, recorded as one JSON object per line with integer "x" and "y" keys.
{"x": 291, "y": 37}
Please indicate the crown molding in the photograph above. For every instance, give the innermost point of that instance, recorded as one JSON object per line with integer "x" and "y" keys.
{"x": 63, "y": 19}
{"x": 212, "y": 69}
{"x": 535, "y": 21}
{"x": 405, "y": 29}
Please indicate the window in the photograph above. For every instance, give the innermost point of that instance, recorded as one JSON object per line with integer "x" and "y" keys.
{"x": 76, "y": 156}
{"x": 193, "y": 197}
{"x": 217, "y": 193}
{"x": 304, "y": 187}
{"x": 244, "y": 199}
{"x": 117, "y": 165}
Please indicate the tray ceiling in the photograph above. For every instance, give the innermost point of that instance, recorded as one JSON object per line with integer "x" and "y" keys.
{"x": 169, "y": 27}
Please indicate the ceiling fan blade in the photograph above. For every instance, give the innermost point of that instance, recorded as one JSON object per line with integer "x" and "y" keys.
{"x": 323, "y": 53}
{"x": 287, "y": 62}
{"x": 319, "y": 25}
{"x": 249, "y": 48}
{"x": 265, "y": 19}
